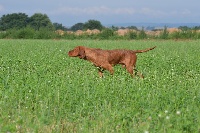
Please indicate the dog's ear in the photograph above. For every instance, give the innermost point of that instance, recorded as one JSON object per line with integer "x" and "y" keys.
{"x": 82, "y": 52}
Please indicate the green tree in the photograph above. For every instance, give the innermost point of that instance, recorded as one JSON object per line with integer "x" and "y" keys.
{"x": 13, "y": 21}
{"x": 93, "y": 24}
{"x": 38, "y": 21}
{"x": 114, "y": 28}
{"x": 196, "y": 28}
{"x": 184, "y": 28}
{"x": 106, "y": 33}
{"x": 78, "y": 26}
{"x": 165, "y": 33}
{"x": 132, "y": 35}
{"x": 142, "y": 34}
{"x": 58, "y": 26}
{"x": 132, "y": 27}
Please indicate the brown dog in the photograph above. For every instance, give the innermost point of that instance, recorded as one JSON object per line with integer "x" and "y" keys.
{"x": 106, "y": 59}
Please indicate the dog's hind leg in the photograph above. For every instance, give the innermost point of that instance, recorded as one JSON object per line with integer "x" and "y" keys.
{"x": 138, "y": 73}
{"x": 130, "y": 70}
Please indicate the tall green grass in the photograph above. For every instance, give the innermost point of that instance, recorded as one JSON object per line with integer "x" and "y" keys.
{"x": 43, "y": 90}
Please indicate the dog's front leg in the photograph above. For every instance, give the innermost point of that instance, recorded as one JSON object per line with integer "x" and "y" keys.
{"x": 100, "y": 72}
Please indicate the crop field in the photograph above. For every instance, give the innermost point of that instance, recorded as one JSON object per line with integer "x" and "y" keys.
{"x": 44, "y": 90}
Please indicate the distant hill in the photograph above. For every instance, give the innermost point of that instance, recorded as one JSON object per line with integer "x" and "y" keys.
{"x": 160, "y": 25}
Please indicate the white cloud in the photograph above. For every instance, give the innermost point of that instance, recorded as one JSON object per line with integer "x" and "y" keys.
{"x": 102, "y": 10}
{"x": 122, "y": 14}
{"x": 186, "y": 12}
{"x": 129, "y": 11}
{"x": 164, "y": 13}
{"x": 151, "y": 12}
{"x": 1, "y": 8}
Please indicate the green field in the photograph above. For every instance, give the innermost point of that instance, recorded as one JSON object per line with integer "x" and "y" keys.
{"x": 44, "y": 90}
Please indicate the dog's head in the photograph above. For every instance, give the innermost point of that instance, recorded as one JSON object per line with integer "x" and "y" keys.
{"x": 78, "y": 51}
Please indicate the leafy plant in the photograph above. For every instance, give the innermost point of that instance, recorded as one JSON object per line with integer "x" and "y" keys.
{"x": 42, "y": 89}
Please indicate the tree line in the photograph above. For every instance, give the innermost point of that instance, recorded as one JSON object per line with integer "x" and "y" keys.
{"x": 21, "y": 20}
{"x": 40, "y": 21}
{"x": 39, "y": 26}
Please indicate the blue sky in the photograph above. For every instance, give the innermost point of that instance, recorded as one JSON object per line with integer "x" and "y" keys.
{"x": 70, "y": 12}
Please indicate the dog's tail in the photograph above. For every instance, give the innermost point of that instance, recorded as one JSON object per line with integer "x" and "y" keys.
{"x": 145, "y": 50}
